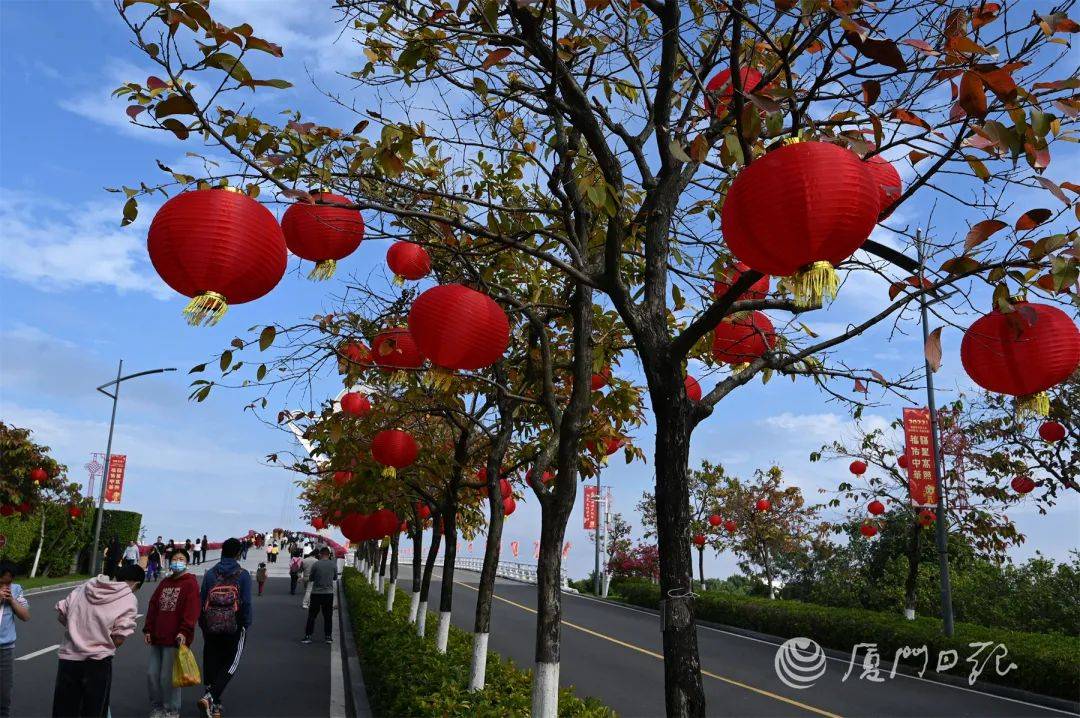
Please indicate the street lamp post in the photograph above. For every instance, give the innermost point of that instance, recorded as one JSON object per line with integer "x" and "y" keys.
{"x": 115, "y": 396}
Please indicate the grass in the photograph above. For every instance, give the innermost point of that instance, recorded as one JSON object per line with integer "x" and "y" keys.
{"x": 43, "y": 581}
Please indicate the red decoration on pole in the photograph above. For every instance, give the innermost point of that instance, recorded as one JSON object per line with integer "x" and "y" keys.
{"x": 394, "y": 449}
{"x": 729, "y": 275}
{"x": 456, "y": 327}
{"x": 1023, "y": 484}
{"x": 1051, "y": 431}
{"x": 876, "y": 507}
{"x": 354, "y": 403}
{"x": 408, "y": 261}
{"x": 395, "y": 349}
{"x": 858, "y": 467}
{"x": 218, "y": 247}
{"x": 322, "y": 233}
{"x": 743, "y": 339}
{"x": 591, "y": 509}
{"x": 715, "y": 520}
{"x": 922, "y": 469}
{"x": 693, "y": 389}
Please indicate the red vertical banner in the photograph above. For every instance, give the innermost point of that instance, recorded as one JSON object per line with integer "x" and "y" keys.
{"x": 591, "y": 506}
{"x": 536, "y": 549}
{"x": 922, "y": 468}
{"x": 114, "y": 479}
{"x": 566, "y": 549}
{"x": 514, "y": 545}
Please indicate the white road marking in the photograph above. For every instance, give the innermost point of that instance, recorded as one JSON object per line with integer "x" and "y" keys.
{"x": 35, "y": 654}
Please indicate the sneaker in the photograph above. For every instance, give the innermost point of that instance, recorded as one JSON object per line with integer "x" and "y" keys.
{"x": 217, "y": 713}
{"x": 307, "y": 639}
{"x": 158, "y": 713}
{"x": 171, "y": 715}
{"x": 205, "y": 706}
{"x": 329, "y": 640}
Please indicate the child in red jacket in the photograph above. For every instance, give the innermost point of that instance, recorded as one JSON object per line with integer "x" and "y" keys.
{"x": 170, "y": 622}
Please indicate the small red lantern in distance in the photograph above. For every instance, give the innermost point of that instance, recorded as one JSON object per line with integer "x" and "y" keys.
{"x": 1023, "y": 484}
{"x": 323, "y": 232}
{"x": 715, "y": 520}
{"x": 395, "y": 349}
{"x": 763, "y": 505}
{"x": 1052, "y": 431}
{"x": 721, "y": 88}
{"x": 600, "y": 379}
{"x": 858, "y": 467}
{"x": 74, "y": 512}
{"x": 868, "y": 530}
{"x": 39, "y": 475}
{"x": 743, "y": 339}
{"x": 394, "y": 449}
{"x": 456, "y": 327}
{"x": 876, "y": 507}
{"x": 354, "y": 403}
{"x": 408, "y": 261}
{"x": 693, "y": 389}
{"x": 318, "y": 523}
{"x": 342, "y": 477}
{"x": 699, "y": 540}
{"x": 902, "y": 461}
{"x": 24, "y": 507}
{"x": 729, "y": 275}
{"x": 611, "y": 445}
{"x": 509, "y": 505}
{"x": 927, "y": 517}
{"x": 730, "y": 526}
{"x": 218, "y": 247}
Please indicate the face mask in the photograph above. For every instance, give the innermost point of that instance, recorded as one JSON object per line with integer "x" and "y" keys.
{"x": 178, "y": 566}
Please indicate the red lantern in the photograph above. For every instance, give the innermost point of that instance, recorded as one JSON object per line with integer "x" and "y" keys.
{"x": 509, "y": 505}
{"x": 354, "y": 527}
{"x": 1023, "y": 484}
{"x": 548, "y": 476}
{"x": 730, "y": 526}
{"x": 902, "y": 461}
{"x": 927, "y": 517}
{"x": 23, "y": 508}
{"x": 799, "y": 210}
{"x": 693, "y": 389}
{"x": 887, "y": 181}
{"x": 395, "y": 349}
{"x": 354, "y": 403}
{"x": 322, "y": 233}
{"x": 868, "y": 530}
{"x": 505, "y": 490}
{"x": 356, "y": 353}
{"x": 39, "y": 475}
{"x": 763, "y": 505}
{"x": 408, "y": 261}
{"x": 720, "y": 88}
{"x": 1022, "y": 353}
{"x": 876, "y": 507}
{"x": 318, "y": 523}
{"x": 74, "y": 512}
{"x": 611, "y": 445}
{"x": 459, "y": 328}
{"x": 858, "y": 467}
{"x": 6, "y": 510}
{"x": 218, "y": 247}
{"x": 699, "y": 540}
{"x": 1052, "y": 431}
{"x": 383, "y": 522}
{"x": 394, "y": 449}
{"x": 342, "y": 477}
{"x": 715, "y": 520}
{"x": 728, "y": 276}
{"x": 743, "y": 338}
{"x": 423, "y": 510}
{"x": 600, "y": 379}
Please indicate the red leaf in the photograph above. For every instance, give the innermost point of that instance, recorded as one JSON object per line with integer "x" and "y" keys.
{"x": 999, "y": 80}
{"x": 1032, "y": 219}
{"x": 909, "y": 118}
{"x": 984, "y": 14}
{"x": 871, "y": 89}
{"x": 155, "y": 83}
{"x": 981, "y": 231}
{"x": 932, "y": 349}
{"x": 883, "y": 51}
{"x": 972, "y": 95}
{"x": 921, "y": 45}
{"x": 1054, "y": 190}
{"x": 134, "y": 110}
{"x": 495, "y": 57}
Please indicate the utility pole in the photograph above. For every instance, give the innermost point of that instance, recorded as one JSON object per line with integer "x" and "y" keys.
{"x": 596, "y": 538}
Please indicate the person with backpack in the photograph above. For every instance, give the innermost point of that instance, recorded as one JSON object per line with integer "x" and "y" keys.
{"x": 226, "y": 616}
{"x": 296, "y": 569}
{"x": 170, "y": 623}
{"x": 260, "y": 577}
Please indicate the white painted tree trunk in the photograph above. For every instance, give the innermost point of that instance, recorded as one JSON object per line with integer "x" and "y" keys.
{"x": 478, "y": 673}
{"x": 545, "y": 697}
{"x": 378, "y": 582}
{"x": 414, "y": 603}
{"x": 390, "y": 596}
{"x": 444, "y": 632}
{"x": 909, "y": 614}
{"x": 40, "y": 543}
{"x": 363, "y": 568}
{"x": 421, "y": 618}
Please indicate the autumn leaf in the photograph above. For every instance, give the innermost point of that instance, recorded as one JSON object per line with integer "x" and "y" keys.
{"x": 298, "y": 194}
{"x": 909, "y": 118}
{"x": 155, "y": 83}
{"x": 932, "y": 350}
{"x": 784, "y": 5}
{"x": 1032, "y": 219}
{"x": 495, "y": 57}
{"x": 861, "y": 387}
{"x": 266, "y": 337}
{"x": 1054, "y": 190}
{"x": 972, "y": 95}
{"x": 871, "y": 90}
{"x": 984, "y": 14}
{"x": 921, "y": 45}
{"x": 999, "y": 80}
{"x": 981, "y": 231}
{"x": 131, "y": 211}
{"x": 883, "y": 51}
{"x": 134, "y": 110}
{"x": 175, "y": 105}
{"x": 678, "y": 151}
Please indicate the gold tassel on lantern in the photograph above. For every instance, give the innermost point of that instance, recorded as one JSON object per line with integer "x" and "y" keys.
{"x": 398, "y": 280}
{"x": 389, "y": 472}
{"x": 206, "y": 309}
{"x": 811, "y": 284}
{"x": 324, "y": 269}
{"x": 1033, "y": 405}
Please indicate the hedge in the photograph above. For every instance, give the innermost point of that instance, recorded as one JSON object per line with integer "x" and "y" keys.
{"x": 1046, "y": 663}
{"x": 406, "y": 676}
{"x": 63, "y": 538}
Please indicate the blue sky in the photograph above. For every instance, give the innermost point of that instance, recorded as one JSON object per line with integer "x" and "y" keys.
{"x": 78, "y": 293}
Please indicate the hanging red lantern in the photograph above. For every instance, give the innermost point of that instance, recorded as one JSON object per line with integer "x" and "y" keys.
{"x": 408, "y": 261}
{"x": 509, "y": 505}
{"x": 217, "y": 246}
{"x": 743, "y": 338}
{"x": 355, "y": 352}
{"x": 1023, "y": 484}
{"x": 730, "y": 526}
{"x": 505, "y": 490}
{"x": 323, "y": 232}
{"x": 699, "y": 540}
{"x": 39, "y": 475}
{"x": 729, "y": 275}
{"x": 1022, "y": 353}
{"x": 383, "y": 522}
{"x": 318, "y": 523}
{"x": 6, "y": 510}
{"x": 394, "y": 449}
{"x": 395, "y": 349}
{"x": 23, "y": 508}
{"x": 715, "y": 520}
{"x": 868, "y": 530}
{"x": 876, "y": 507}
{"x": 887, "y": 181}
{"x": 798, "y": 211}
{"x": 548, "y": 476}
{"x": 342, "y": 477}
{"x": 763, "y": 505}
{"x": 600, "y": 379}
{"x": 611, "y": 445}
{"x": 353, "y": 527}
{"x": 74, "y": 512}
{"x": 459, "y": 328}
{"x": 902, "y": 461}
{"x": 404, "y": 528}
{"x": 693, "y": 389}
{"x": 858, "y": 467}
{"x": 719, "y": 89}
{"x": 354, "y": 403}
{"x": 927, "y": 517}
{"x": 423, "y": 510}
{"x": 1052, "y": 431}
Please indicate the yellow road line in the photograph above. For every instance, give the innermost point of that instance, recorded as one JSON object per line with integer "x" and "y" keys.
{"x": 654, "y": 654}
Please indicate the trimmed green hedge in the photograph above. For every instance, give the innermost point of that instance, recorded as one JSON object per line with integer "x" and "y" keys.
{"x": 405, "y": 676}
{"x": 1046, "y": 663}
{"x": 63, "y": 538}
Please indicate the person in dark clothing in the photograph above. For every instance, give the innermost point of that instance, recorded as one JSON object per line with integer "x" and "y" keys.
{"x": 205, "y": 548}
{"x": 113, "y": 555}
{"x": 323, "y": 576}
{"x": 226, "y": 616}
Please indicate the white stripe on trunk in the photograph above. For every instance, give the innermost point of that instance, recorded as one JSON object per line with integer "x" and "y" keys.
{"x": 378, "y": 583}
{"x": 390, "y": 596}
{"x": 414, "y": 603}
{"x": 421, "y": 618}
{"x": 479, "y": 662}
{"x": 545, "y": 695}
{"x": 444, "y": 632}
{"x": 909, "y": 614}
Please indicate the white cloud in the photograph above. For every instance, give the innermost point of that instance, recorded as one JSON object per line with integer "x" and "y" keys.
{"x": 827, "y": 426}
{"x": 98, "y": 105}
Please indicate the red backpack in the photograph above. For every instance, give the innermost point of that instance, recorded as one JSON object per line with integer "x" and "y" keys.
{"x": 222, "y": 607}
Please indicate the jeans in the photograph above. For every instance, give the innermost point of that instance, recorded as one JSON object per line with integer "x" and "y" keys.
{"x": 7, "y": 678}
{"x": 159, "y": 679}
{"x": 321, "y": 602}
{"x": 82, "y": 688}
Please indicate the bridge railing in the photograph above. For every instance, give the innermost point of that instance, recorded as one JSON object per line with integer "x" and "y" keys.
{"x": 513, "y": 570}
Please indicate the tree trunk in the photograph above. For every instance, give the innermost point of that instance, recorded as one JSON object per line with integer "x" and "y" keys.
{"x": 911, "y": 582}
{"x": 384, "y": 552}
{"x": 446, "y": 592}
{"x": 391, "y": 590}
{"x": 701, "y": 567}
{"x": 41, "y": 542}
{"x": 482, "y": 622}
{"x": 545, "y": 699}
{"x": 418, "y": 546}
{"x": 425, "y": 586}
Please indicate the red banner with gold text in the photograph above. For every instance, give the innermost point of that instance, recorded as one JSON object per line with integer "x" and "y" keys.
{"x": 114, "y": 478}
{"x": 591, "y": 507}
{"x": 922, "y": 469}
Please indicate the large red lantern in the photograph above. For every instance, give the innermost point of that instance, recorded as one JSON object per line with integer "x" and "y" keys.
{"x": 395, "y": 349}
{"x": 509, "y": 505}
{"x": 408, "y": 261}
{"x": 876, "y": 507}
{"x": 394, "y": 449}
{"x": 318, "y": 523}
{"x": 693, "y": 389}
{"x": 798, "y": 211}
{"x": 886, "y": 179}
{"x": 505, "y": 490}
{"x": 354, "y": 403}
{"x": 730, "y": 526}
{"x": 354, "y": 527}
{"x": 1051, "y": 431}
{"x": 743, "y": 338}
{"x": 858, "y": 467}
{"x": 218, "y": 247}
{"x": 868, "y": 530}
{"x": 1022, "y": 353}
{"x": 323, "y": 232}
{"x": 1023, "y": 484}
{"x": 729, "y": 275}
{"x": 39, "y": 475}
{"x": 719, "y": 89}
{"x": 763, "y": 505}
{"x": 383, "y": 522}
{"x": 456, "y": 327}
{"x": 715, "y": 520}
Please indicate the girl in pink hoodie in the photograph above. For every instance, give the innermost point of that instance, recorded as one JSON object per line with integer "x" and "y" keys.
{"x": 98, "y": 616}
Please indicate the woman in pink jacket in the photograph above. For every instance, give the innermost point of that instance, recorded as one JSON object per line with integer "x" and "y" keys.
{"x": 98, "y": 616}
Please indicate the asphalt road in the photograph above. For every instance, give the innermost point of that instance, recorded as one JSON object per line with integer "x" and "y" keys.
{"x": 614, "y": 653}
{"x": 277, "y": 677}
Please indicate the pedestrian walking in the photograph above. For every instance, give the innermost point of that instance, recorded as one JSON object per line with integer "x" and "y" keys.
{"x": 189, "y": 547}
{"x": 196, "y": 552}
{"x": 260, "y": 576}
{"x": 246, "y": 546}
{"x": 113, "y": 554}
{"x": 226, "y": 616}
{"x": 170, "y": 623}
{"x": 296, "y": 569}
{"x": 160, "y": 546}
{"x": 205, "y": 548}
{"x": 13, "y": 604}
{"x": 131, "y": 553}
{"x": 97, "y": 616}
{"x": 308, "y": 562}
{"x": 323, "y": 576}
{"x": 153, "y": 564}
{"x": 274, "y": 553}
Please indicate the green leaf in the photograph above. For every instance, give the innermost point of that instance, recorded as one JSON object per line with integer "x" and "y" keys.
{"x": 175, "y": 105}
{"x": 230, "y": 64}
{"x": 131, "y": 211}
{"x": 197, "y": 368}
{"x": 226, "y": 360}
{"x": 279, "y": 84}
{"x": 260, "y": 374}
{"x": 266, "y": 337}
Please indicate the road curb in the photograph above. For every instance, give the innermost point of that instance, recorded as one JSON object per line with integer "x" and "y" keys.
{"x": 356, "y": 700}
{"x": 53, "y": 587}
{"x": 993, "y": 689}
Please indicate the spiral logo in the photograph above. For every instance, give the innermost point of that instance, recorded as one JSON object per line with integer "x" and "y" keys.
{"x": 799, "y": 662}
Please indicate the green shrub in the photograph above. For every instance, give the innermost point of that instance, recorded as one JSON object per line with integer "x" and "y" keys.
{"x": 63, "y": 537}
{"x": 406, "y": 676}
{"x": 1046, "y": 663}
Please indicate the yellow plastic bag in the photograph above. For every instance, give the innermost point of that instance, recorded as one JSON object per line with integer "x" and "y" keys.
{"x": 185, "y": 670}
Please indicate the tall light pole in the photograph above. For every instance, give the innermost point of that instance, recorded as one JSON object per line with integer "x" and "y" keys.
{"x": 115, "y": 396}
